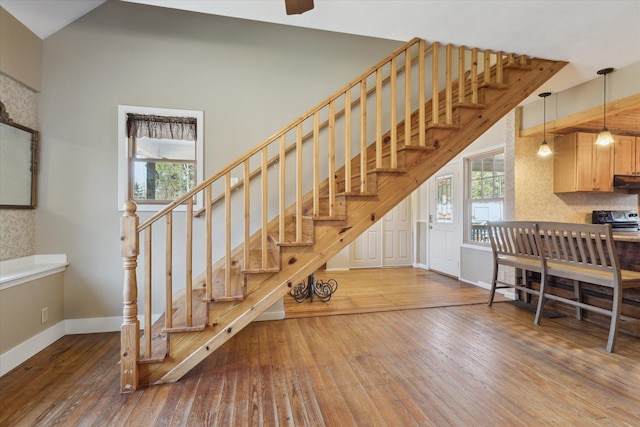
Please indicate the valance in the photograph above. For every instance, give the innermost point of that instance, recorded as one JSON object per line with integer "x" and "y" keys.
{"x": 161, "y": 127}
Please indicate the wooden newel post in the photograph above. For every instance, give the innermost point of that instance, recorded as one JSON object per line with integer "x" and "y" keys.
{"x": 130, "y": 330}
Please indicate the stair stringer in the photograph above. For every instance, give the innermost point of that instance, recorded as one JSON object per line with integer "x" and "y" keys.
{"x": 227, "y": 319}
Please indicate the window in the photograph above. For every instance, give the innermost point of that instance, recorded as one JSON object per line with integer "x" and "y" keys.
{"x": 444, "y": 199}
{"x": 160, "y": 155}
{"x": 485, "y": 194}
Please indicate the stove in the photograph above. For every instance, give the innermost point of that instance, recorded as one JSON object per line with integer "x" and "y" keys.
{"x": 619, "y": 220}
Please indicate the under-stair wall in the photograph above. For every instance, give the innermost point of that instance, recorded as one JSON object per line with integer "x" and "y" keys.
{"x": 302, "y": 195}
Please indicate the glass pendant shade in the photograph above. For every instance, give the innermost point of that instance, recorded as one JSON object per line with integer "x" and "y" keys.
{"x": 604, "y": 137}
{"x": 544, "y": 149}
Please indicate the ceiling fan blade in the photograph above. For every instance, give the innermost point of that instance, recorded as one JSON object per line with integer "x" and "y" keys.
{"x": 296, "y": 7}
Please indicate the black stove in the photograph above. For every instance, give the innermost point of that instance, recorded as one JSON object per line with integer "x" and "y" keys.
{"x": 619, "y": 220}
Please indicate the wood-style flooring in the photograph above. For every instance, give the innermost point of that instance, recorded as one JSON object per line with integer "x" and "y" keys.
{"x": 387, "y": 289}
{"x": 461, "y": 365}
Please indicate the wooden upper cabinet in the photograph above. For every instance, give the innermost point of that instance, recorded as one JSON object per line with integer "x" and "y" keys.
{"x": 627, "y": 155}
{"x": 581, "y": 165}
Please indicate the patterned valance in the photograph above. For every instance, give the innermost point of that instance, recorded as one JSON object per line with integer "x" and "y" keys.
{"x": 161, "y": 127}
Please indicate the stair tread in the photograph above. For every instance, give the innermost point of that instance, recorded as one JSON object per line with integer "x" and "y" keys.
{"x": 198, "y": 314}
{"x": 469, "y": 105}
{"x": 523, "y": 67}
{"x": 444, "y": 126}
{"x": 359, "y": 194}
{"x": 330, "y": 218}
{"x": 158, "y": 343}
{"x": 293, "y": 243}
{"x": 492, "y": 85}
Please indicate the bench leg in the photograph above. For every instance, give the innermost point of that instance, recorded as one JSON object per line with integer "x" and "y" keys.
{"x": 543, "y": 280}
{"x": 577, "y": 292}
{"x": 615, "y": 318}
{"x": 527, "y": 285}
{"x": 494, "y": 280}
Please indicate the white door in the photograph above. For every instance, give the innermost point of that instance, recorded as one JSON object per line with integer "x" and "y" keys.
{"x": 387, "y": 243}
{"x": 365, "y": 251}
{"x": 444, "y": 223}
{"x": 396, "y": 226}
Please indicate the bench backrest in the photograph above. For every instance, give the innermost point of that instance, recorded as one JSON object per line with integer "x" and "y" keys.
{"x": 580, "y": 246}
{"x": 515, "y": 238}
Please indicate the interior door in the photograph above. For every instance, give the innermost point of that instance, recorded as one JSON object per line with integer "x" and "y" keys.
{"x": 387, "y": 243}
{"x": 444, "y": 223}
{"x": 365, "y": 250}
{"x": 396, "y": 228}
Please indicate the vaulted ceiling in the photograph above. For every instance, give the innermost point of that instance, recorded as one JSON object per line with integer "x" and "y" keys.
{"x": 589, "y": 34}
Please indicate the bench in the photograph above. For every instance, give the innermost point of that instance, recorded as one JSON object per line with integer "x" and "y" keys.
{"x": 577, "y": 252}
{"x": 515, "y": 244}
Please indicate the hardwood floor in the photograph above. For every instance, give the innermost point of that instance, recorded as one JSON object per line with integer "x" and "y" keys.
{"x": 387, "y": 289}
{"x": 459, "y": 365}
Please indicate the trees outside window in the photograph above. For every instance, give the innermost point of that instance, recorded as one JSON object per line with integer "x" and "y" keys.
{"x": 160, "y": 155}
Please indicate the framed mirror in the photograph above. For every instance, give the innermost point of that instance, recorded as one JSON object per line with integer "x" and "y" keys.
{"x": 18, "y": 164}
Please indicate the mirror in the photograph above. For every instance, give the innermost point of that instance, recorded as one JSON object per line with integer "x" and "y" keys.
{"x": 18, "y": 164}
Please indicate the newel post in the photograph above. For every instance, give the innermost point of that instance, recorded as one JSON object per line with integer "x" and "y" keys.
{"x": 130, "y": 330}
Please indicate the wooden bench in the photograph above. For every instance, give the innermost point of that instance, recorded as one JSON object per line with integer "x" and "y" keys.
{"x": 584, "y": 253}
{"x": 515, "y": 244}
{"x": 577, "y": 252}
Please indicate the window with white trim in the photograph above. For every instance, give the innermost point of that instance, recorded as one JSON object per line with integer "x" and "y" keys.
{"x": 485, "y": 189}
{"x": 160, "y": 154}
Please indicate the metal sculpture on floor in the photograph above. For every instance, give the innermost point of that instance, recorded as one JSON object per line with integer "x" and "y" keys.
{"x": 323, "y": 290}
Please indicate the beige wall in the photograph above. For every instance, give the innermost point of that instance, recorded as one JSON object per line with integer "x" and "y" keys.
{"x": 249, "y": 78}
{"x": 534, "y": 197}
{"x": 20, "y": 78}
{"x": 21, "y": 309}
{"x": 20, "y": 52}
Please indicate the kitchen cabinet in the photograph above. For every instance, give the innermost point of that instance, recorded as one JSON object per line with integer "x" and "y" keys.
{"x": 581, "y": 165}
{"x": 626, "y": 155}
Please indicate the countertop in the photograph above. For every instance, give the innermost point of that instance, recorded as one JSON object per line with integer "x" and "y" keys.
{"x": 627, "y": 236}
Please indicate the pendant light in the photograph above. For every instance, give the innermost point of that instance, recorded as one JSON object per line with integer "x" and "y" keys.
{"x": 604, "y": 137}
{"x": 544, "y": 149}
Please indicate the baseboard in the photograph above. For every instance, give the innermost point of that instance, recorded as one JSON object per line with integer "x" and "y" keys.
{"x": 270, "y": 315}
{"x": 93, "y": 325}
{"x": 31, "y": 347}
{"x": 507, "y": 293}
{"x": 337, "y": 269}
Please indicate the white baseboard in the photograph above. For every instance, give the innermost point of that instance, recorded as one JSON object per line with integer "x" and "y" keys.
{"x": 270, "y": 315}
{"x": 30, "y": 347}
{"x": 507, "y": 293}
{"x": 93, "y": 325}
{"x": 337, "y": 269}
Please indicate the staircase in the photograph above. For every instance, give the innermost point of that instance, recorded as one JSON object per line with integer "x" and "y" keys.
{"x": 302, "y": 195}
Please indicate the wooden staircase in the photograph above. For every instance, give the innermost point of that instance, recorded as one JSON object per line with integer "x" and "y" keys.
{"x": 303, "y": 195}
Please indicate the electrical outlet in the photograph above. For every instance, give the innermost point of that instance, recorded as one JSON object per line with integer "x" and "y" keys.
{"x": 45, "y": 314}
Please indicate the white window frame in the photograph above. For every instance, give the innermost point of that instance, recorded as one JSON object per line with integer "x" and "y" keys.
{"x": 467, "y": 192}
{"x": 123, "y": 152}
